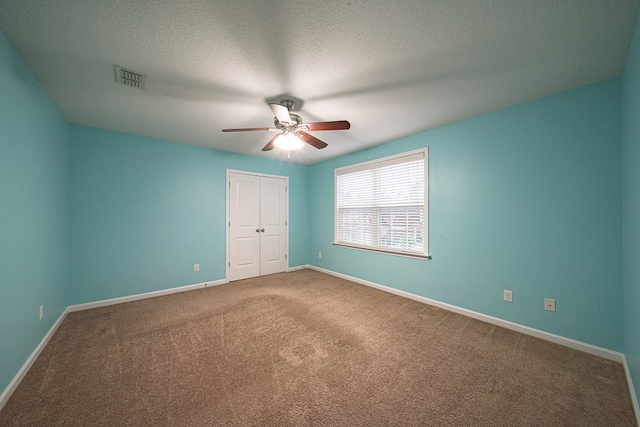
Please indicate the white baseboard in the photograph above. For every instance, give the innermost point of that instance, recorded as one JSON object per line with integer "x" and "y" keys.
{"x": 8, "y": 391}
{"x": 120, "y": 300}
{"x": 632, "y": 391}
{"x": 567, "y": 342}
{"x": 296, "y": 268}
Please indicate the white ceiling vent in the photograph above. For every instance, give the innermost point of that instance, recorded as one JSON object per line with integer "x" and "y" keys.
{"x": 129, "y": 78}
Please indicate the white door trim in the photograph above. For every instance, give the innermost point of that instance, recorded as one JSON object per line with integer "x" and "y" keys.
{"x": 227, "y": 218}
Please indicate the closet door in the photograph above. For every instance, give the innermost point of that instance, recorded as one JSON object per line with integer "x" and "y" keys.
{"x": 257, "y": 221}
{"x": 273, "y": 225}
{"x": 244, "y": 227}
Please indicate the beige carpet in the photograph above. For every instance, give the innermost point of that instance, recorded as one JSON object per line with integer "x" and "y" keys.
{"x": 305, "y": 348}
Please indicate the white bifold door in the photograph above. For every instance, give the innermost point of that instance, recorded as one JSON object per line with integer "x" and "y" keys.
{"x": 257, "y": 220}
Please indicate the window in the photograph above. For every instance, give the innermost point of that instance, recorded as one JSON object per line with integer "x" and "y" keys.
{"x": 382, "y": 205}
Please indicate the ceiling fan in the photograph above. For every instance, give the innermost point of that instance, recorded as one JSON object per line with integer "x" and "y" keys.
{"x": 292, "y": 132}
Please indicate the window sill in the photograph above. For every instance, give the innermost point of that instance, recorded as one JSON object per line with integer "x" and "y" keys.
{"x": 382, "y": 251}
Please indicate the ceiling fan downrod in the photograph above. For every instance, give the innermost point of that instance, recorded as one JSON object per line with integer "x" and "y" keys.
{"x": 293, "y": 129}
{"x": 288, "y": 103}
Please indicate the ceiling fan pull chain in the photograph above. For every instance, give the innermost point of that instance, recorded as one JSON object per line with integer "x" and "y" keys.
{"x": 291, "y": 129}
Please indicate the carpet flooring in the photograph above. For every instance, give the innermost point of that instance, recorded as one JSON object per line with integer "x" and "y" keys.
{"x": 307, "y": 349}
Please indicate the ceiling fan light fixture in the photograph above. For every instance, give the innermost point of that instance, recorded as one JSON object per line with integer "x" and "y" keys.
{"x": 288, "y": 141}
{"x": 292, "y": 130}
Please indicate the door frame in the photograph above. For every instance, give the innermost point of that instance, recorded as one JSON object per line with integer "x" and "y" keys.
{"x": 227, "y": 223}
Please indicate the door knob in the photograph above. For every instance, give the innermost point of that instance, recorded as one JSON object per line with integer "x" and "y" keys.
{"x": 257, "y": 230}
{"x": 262, "y": 229}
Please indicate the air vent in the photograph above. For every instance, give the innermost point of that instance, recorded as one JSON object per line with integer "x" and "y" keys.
{"x": 129, "y": 78}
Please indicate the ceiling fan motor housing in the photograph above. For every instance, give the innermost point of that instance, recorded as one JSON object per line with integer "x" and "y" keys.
{"x": 295, "y": 121}
{"x": 291, "y": 126}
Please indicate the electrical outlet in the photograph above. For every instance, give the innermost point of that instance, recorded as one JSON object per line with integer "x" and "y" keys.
{"x": 508, "y": 296}
{"x": 196, "y": 267}
{"x": 550, "y": 304}
{"x": 319, "y": 254}
{"x": 41, "y": 312}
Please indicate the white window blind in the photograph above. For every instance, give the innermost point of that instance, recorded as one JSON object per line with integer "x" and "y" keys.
{"x": 382, "y": 205}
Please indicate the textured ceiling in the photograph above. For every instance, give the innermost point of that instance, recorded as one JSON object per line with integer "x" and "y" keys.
{"x": 391, "y": 68}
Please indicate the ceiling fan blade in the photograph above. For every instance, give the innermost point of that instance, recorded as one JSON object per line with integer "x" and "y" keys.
{"x": 311, "y": 140}
{"x": 281, "y": 112}
{"x": 270, "y": 144}
{"x": 247, "y": 129}
{"x": 338, "y": 125}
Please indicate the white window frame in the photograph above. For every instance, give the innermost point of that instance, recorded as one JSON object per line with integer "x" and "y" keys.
{"x": 376, "y": 164}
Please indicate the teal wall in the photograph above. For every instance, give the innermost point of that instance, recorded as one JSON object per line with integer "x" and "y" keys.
{"x": 541, "y": 199}
{"x": 33, "y": 211}
{"x": 144, "y": 211}
{"x": 631, "y": 206}
{"x": 527, "y": 198}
